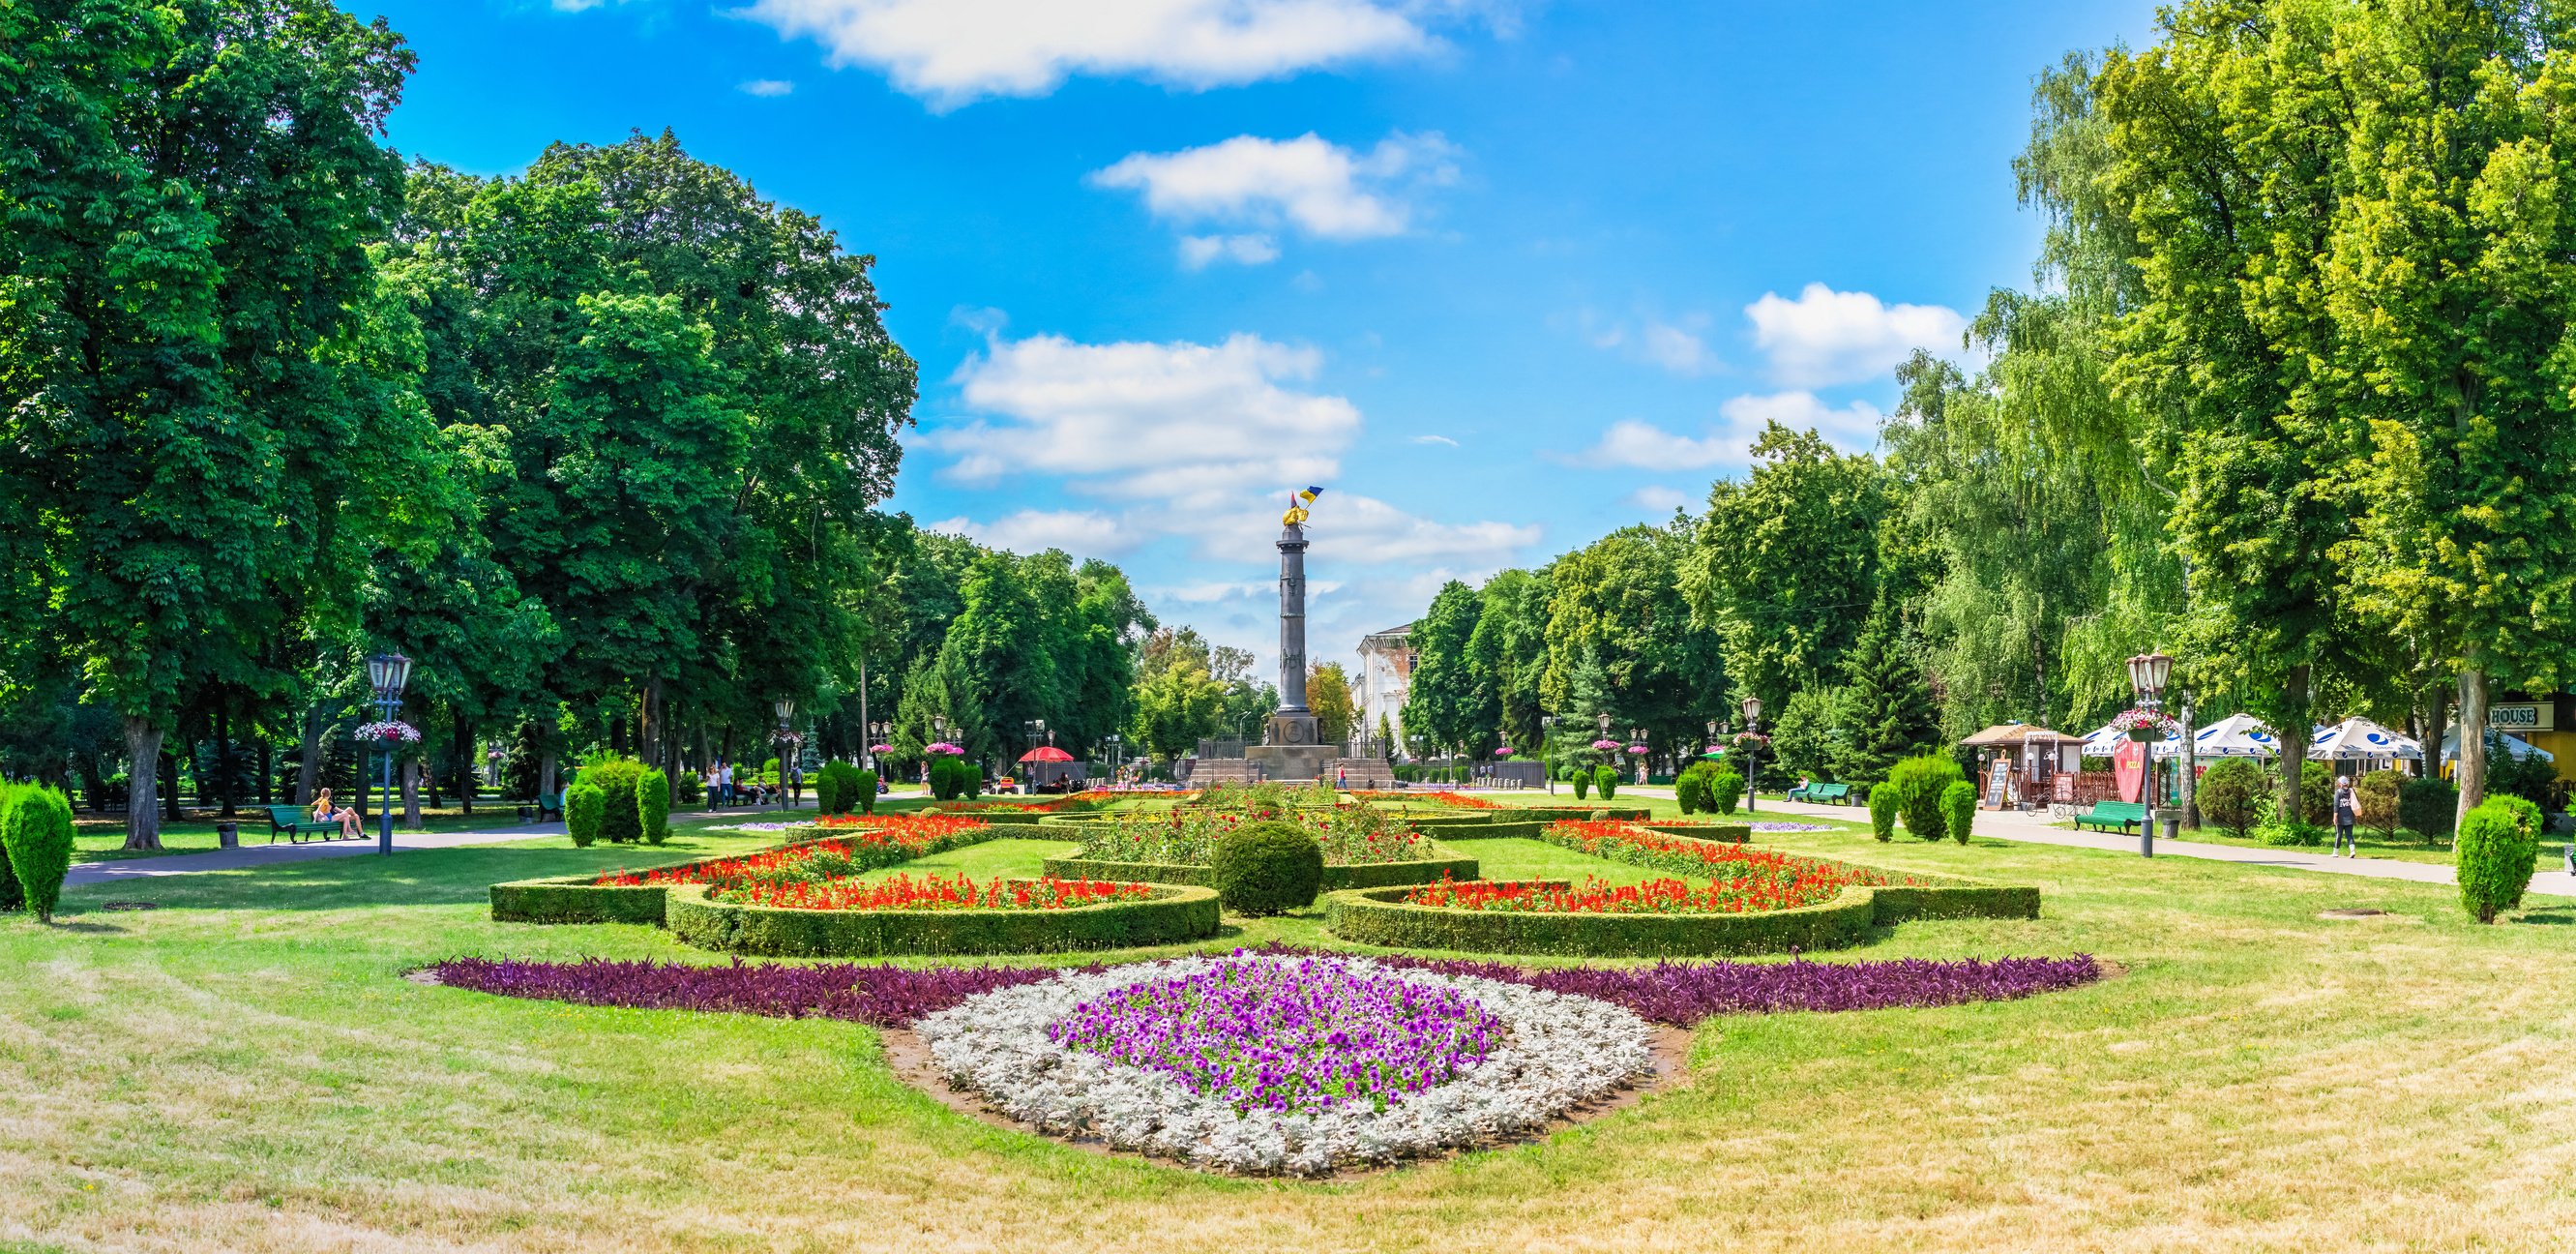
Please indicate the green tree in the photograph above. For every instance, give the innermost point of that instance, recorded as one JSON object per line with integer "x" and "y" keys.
{"x": 207, "y": 442}
{"x": 1328, "y": 694}
{"x": 1889, "y": 708}
{"x": 1447, "y": 701}
{"x": 1175, "y": 708}
{"x": 1623, "y": 641}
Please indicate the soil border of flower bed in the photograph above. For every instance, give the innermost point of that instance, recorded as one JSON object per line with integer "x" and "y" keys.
{"x": 582, "y": 899}
{"x": 1376, "y": 916}
{"x": 1173, "y": 915}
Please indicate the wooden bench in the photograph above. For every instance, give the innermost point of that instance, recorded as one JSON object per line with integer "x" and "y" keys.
{"x": 549, "y": 803}
{"x": 295, "y": 821}
{"x": 2112, "y": 816}
{"x": 1837, "y": 793}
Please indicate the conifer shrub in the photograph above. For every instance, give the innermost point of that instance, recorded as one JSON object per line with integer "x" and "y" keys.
{"x": 585, "y": 811}
{"x": 36, "y": 836}
{"x": 1725, "y": 792}
{"x": 865, "y": 782}
{"x": 2233, "y": 794}
{"x": 1918, "y": 783}
{"x": 1267, "y": 868}
{"x": 2316, "y": 794}
{"x": 2497, "y": 844}
{"x": 621, "y": 822}
{"x": 1959, "y": 809}
{"x": 1690, "y": 792}
{"x": 1882, "y": 813}
{"x": 653, "y": 806}
{"x": 1582, "y": 784}
{"x": 827, "y": 789}
{"x": 1606, "y": 778}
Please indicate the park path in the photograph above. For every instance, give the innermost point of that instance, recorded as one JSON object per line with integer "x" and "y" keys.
{"x": 251, "y": 857}
{"x": 2037, "y": 827}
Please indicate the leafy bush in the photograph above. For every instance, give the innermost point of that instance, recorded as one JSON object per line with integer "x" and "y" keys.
{"x": 2375, "y": 797}
{"x": 2293, "y": 834}
{"x": 692, "y": 789}
{"x": 2430, "y": 805}
{"x": 653, "y": 806}
{"x": 970, "y": 780}
{"x": 1267, "y": 868}
{"x": 585, "y": 811}
{"x": 1690, "y": 792}
{"x": 1918, "y": 784}
{"x": 1606, "y": 778}
{"x": 827, "y": 790}
{"x": 1582, "y": 784}
{"x": 1882, "y": 813}
{"x": 2497, "y": 844}
{"x": 1959, "y": 809}
{"x": 36, "y": 836}
{"x": 2316, "y": 794}
{"x": 865, "y": 784}
{"x": 1726, "y": 791}
{"x": 621, "y": 823}
{"x": 2232, "y": 794}
{"x": 943, "y": 778}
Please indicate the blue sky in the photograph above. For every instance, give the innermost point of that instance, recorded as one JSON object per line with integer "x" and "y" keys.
{"x": 1501, "y": 277}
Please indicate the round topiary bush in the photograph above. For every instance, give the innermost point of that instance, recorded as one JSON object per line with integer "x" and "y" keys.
{"x": 1882, "y": 813}
{"x": 1959, "y": 809}
{"x": 1690, "y": 792}
{"x": 1267, "y": 868}
{"x": 865, "y": 785}
{"x": 1724, "y": 791}
{"x": 1606, "y": 778}
{"x": 2497, "y": 843}
{"x": 1918, "y": 783}
{"x": 2235, "y": 795}
{"x": 621, "y": 822}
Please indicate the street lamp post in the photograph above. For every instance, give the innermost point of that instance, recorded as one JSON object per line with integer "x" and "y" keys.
{"x": 786, "y": 708}
{"x": 1547, "y": 734}
{"x": 388, "y": 674}
{"x": 2148, "y": 673}
{"x": 1752, "y": 754}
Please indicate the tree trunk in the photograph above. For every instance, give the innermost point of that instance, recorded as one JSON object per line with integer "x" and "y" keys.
{"x": 143, "y": 755}
{"x": 465, "y": 753}
{"x": 2293, "y": 731}
{"x": 2473, "y": 737}
{"x": 170, "y": 796}
{"x": 2437, "y": 714}
{"x": 267, "y": 770}
{"x": 227, "y": 760}
{"x": 411, "y": 773}
{"x": 2189, "y": 779}
{"x": 546, "y": 772}
{"x": 308, "y": 775}
{"x": 649, "y": 730}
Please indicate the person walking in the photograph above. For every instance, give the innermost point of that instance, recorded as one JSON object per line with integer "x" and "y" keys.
{"x": 2347, "y": 811}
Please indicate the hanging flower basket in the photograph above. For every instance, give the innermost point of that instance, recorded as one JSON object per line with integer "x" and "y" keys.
{"x": 1606, "y": 746}
{"x": 943, "y": 747}
{"x": 2146, "y": 726}
{"x": 1504, "y": 752}
{"x": 395, "y": 729}
{"x": 880, "y": 748}
{"x": 1639, "y": 749}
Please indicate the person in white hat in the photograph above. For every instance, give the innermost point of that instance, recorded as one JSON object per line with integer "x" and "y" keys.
{"x": 2347, "y": 811}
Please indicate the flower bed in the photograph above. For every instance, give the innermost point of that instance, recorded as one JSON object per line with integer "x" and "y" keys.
{"x": 1751, "y": 894}
{"x": 902, "y": 892}
{"x": 1160, "y": 916}
{"x": 1796, "y": 912}
{"x": 1680, "y": 994}
{"x": 1443, "y": 798}
{"x": 1363, "y": 847}
{"x": 1268, "y": 1064}
{"x": 820, "y": 852}
{"x": 1729, "y": 833}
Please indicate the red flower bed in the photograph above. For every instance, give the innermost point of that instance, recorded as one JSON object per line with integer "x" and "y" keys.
{"x": 902, "y": 892}
{"x": 1747, "y": 894}
{"x": 895, "y": 838}
{"x": 1458, "y": 799}
{"x": 1662, "y": 851}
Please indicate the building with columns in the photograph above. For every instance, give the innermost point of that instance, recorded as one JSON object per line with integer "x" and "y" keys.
{"x": 1386, "y": 672}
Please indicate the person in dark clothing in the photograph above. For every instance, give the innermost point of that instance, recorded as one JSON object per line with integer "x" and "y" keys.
{"x": 2347, "y": 811}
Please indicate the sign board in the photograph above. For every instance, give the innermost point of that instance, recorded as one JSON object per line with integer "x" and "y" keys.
{"x": 2521, "y": 716}
{"x": 1995, "y": 790}
{"x": 2065, "y": 787}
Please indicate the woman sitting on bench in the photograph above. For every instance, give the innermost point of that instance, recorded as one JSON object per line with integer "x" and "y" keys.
{"x": 346, "y": 817}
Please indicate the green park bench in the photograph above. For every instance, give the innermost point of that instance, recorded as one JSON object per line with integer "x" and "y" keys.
{"x": 2112, "y": 816}
{"x": 549, "y": 803}
{"x": 1839, "y": 794}
{"x": 295, "y": 822}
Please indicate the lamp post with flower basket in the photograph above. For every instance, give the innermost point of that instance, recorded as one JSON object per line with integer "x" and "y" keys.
{"x": 388, "y": 674}
{"x": 1547, "y": 755}
{"x": 2146, "y": 722}
{"x": 785, "y": 708}
{"x": 1752, "y": 742}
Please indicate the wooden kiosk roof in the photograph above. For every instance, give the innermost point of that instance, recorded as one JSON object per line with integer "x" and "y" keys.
{"x": 2012, "y": 734}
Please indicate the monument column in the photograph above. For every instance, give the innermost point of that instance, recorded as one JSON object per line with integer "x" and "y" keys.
{"x": 1289, "y": 749}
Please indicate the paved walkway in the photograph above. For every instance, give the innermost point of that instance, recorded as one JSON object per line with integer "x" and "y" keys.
{"x": 2038, "y": 827}
{"x": 252, "y": 857}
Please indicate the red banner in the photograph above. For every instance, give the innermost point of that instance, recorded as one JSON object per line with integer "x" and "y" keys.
{"x": 2129, "y": 766}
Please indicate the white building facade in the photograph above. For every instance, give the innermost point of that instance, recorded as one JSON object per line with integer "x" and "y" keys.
{"x": 1386, "y": 673}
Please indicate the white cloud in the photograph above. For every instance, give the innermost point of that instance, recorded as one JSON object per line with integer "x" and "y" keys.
{"x": 766, "y": 87}
{"x": 1678, "y": 346}
{"x": 1357, "y": 529}
{"x": 1321, "y": 189}
{"x": 1656, "y": 499}
{"x": 1251, "y": 250}
{"x": 1675, "y": 349}
{"x": 1180, "y": 421}
{"x": 952, "y": 52}
{"x": 1645, "y": 446}
{"x": 1827, "y": 337}
{"x": 1083, "y": 533}
{"x": 1435, "y": 439}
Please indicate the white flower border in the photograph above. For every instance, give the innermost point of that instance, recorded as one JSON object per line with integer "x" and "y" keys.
{"x": 1562, "y": 1051}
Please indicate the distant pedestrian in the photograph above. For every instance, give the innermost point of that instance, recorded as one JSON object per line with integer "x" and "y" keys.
{"x": 2347, "y": 811}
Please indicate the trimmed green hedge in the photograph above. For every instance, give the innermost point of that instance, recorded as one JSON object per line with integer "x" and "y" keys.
{"x": 1172, "y": 915}
{"x": 1377, "y": 916}
{"x": 1369, "y": 875}
{"x": 577, "y": 899}
{"x": 1723, "y": 833}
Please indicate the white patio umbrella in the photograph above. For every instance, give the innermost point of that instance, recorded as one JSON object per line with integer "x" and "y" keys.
{"x": 2513, "y": 744}
{"x": 2236, "y": 736}
{"x": 2359, "y": 738}
{"x": 2105, "y": 740}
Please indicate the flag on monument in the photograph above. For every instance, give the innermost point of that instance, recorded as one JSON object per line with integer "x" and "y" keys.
{"x": 1310, "y": 494}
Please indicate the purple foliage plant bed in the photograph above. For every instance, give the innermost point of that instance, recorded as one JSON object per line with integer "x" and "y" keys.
{"x": 883, "y": 995}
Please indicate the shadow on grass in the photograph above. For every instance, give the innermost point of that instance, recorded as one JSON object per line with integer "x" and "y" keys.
{"x": 2561, "y": 916}
{"x": 414, "y": 878}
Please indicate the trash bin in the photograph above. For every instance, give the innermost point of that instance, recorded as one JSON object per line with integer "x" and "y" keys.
{"x": 228, "y": 835}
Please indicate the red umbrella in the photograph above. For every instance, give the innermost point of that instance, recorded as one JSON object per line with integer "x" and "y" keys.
{"x": 1046, "y": 753}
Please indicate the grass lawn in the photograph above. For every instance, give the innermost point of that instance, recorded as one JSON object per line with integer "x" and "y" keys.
{"x": 100, "y": 838}
{"x": 244, "y": 1068}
